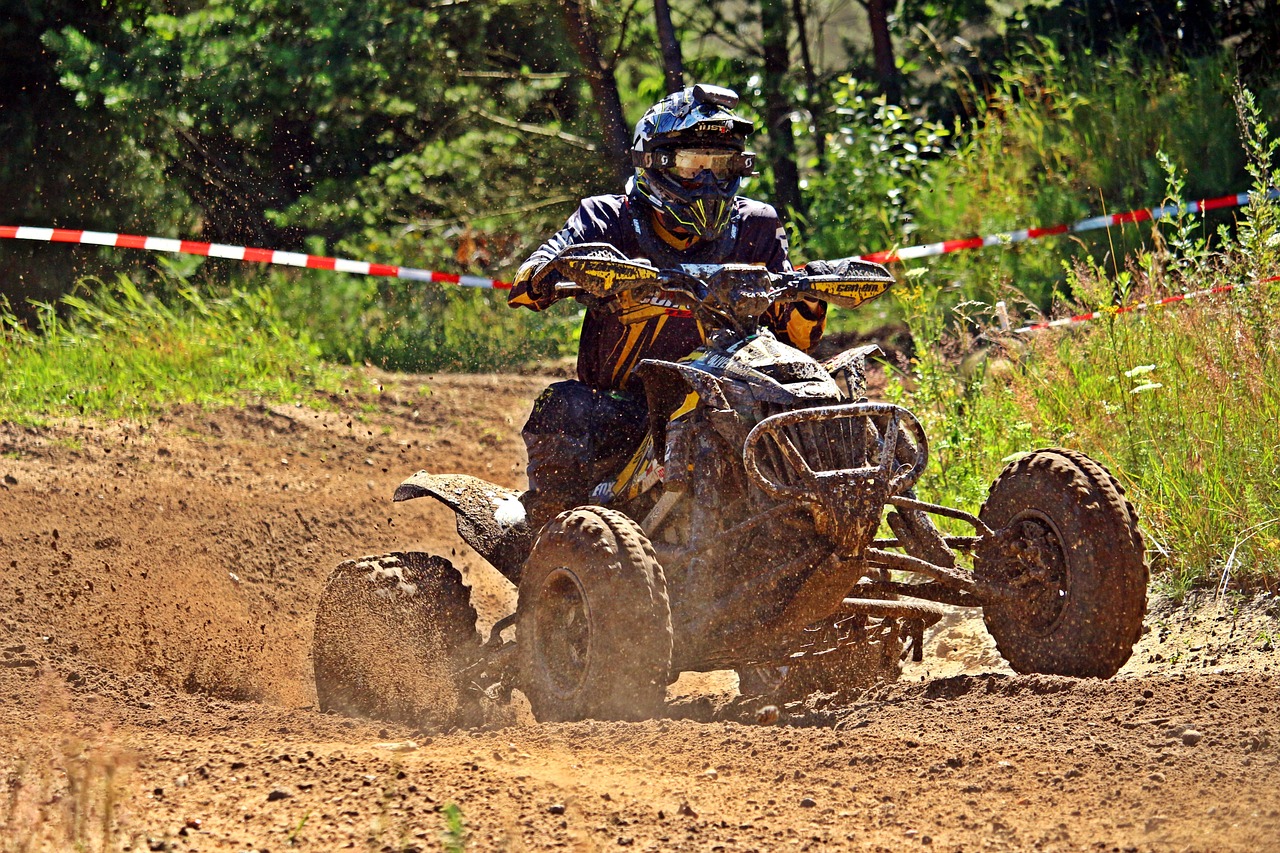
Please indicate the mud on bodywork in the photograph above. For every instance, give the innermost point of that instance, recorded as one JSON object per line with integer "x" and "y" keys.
{"x": 490, "y": 517}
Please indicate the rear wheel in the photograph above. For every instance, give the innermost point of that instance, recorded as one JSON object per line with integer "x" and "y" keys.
{"x": 1068, "y": 563}
{"x": 594, "y": 624}
{"x": 393, "y": 636}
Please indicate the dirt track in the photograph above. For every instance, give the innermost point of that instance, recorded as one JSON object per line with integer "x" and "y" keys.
{"x": 158, "y": 595}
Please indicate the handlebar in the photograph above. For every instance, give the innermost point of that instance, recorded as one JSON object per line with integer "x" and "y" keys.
{"x": 602, "y": 271}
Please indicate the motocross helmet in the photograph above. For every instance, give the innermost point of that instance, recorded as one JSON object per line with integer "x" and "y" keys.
{"x": 690, "y": 155}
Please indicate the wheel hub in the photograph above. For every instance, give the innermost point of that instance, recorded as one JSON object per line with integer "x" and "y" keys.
{"x": 1028, "y": 569}
{"x": 564, "y": 634}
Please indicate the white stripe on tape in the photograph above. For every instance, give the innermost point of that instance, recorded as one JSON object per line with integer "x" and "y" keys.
{"x": 292, "y": 259}
{"x": 222, "y": 250}
{"x": 162, "y": 244}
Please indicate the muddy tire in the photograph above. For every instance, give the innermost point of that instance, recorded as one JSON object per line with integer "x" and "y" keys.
{"x": 594, "y": 623}
{"x": 393, "y": 635}
{"x": 1067, "y": 546}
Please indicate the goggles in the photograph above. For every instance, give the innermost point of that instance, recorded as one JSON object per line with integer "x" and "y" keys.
{"x": 689, "y": 163}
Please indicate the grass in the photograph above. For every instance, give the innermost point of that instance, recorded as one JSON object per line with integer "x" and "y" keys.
{"x": 1180, "y": 403}
{"x": 116, "y": 352}
{"x": 420, "y": 328}
{"x": 453, "y": 839}
{"x": 65, "y": 790}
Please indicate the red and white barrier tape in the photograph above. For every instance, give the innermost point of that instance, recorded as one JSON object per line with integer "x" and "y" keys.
{"x": 242, "y": 253}
{"x": 296, "y": 259}
{"x": 1129, "y": 309}
{"x": 1090, "y": 224}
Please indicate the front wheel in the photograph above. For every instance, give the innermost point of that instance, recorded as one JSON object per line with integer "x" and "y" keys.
{"x": 594, "y": 624}
{"x": 1066, "y": 564}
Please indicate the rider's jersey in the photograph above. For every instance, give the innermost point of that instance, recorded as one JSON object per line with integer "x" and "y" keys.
{"x": 621, "y": 331}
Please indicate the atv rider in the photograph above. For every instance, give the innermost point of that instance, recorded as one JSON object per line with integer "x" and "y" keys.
{"x": 680, "y": 207}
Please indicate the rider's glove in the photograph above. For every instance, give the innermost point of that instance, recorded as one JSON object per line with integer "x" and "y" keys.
{"x": 541, "y": 280}
{"x": 825, "y": 268}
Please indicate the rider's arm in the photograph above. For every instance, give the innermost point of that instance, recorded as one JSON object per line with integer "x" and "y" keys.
{"x": 592, "y": 222}
{"x": 800, "y": 324}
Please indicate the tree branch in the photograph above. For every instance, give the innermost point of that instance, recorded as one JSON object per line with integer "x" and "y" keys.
{"x": 577, "y": 141}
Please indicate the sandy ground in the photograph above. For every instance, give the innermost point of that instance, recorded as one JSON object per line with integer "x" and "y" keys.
{"x": 156, "y": 690}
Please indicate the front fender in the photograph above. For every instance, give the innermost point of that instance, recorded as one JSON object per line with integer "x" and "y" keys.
{"x": 490, "y": 517}
{"x": 852, "y": 363}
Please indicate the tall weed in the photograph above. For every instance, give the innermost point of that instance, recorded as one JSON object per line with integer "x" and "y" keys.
{"x": 114, "y": 351}
{"x": 1180, "y": 402}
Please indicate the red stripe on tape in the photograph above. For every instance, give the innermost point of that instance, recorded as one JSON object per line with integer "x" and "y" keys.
{"x": 957, "y": 245}
{"x": 10, "y": 231}
{"x": 1033, "y": 233}
{"x": 1215, "y": 203}
{"x": 1132, "y": 216}
{"x": 66, "y": 235}
{"x": 502, "y": 285}
{"x": 445, "y": 278}
{"x": 316, "y": 262}
{"x": 1225, "y": 287}
{"x": 261, "y": 256}
{"x": 131, "y": 241}
{"x": 383, "y": 269}
{"x": 191, "y": 247}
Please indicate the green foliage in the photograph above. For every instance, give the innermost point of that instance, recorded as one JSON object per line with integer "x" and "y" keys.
{"x": 454, "y": 837}
{"x": 1060, "y": 137}
{"x": 116, "y": 352}
{"x": 328, "y": 119}
{"x": 1180, "y": 402}
{"x": 876, "y": 169}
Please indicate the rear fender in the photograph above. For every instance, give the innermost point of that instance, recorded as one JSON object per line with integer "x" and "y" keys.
{"x": 491, "y": 518}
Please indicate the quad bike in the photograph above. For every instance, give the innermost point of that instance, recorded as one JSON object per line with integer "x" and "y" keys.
{"x": 745, "y": 533}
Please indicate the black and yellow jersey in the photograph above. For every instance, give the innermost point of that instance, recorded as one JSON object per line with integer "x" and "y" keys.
{"x": 620, "y": 332}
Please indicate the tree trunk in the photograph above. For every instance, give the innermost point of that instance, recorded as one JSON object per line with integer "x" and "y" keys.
{"x": 672, "y": 62}
{"x": 810, "y": 85}
{"x": 604, "y": 85}
{"x": 882, "y": 48}
{"x": 778, "y": 108}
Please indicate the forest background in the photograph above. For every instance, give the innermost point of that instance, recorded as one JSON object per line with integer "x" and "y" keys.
{"x": 456, "y": 135}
